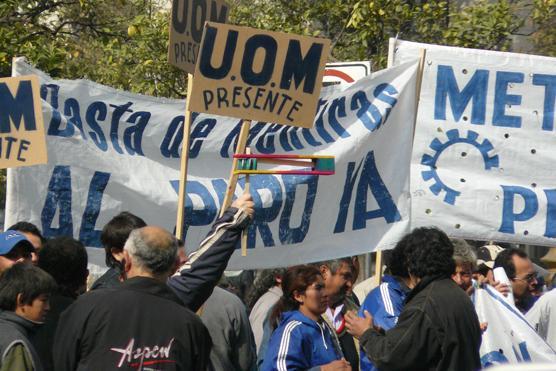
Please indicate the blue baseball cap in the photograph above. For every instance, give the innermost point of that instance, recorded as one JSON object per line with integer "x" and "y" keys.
{"x": 11, "y": 239}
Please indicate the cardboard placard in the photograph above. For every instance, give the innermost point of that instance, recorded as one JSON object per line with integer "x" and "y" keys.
{"x": 22, "y": 137}
{"x": 186, "y": 29}
{"x": 259, "y": 75}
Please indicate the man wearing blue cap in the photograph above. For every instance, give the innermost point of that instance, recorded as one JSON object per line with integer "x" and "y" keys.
{"x": 14, "y": 248}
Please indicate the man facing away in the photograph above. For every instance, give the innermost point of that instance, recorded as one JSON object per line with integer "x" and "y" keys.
{"x": 140, "y": 324}
{"x": 106, "y": 329}
{"x": 438, "y": 328}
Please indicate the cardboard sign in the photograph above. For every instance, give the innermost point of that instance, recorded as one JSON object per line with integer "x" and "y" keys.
{"x": 22, "y": 140}
{"x": 186, "y": 29}
{"x": 259, "y": 75}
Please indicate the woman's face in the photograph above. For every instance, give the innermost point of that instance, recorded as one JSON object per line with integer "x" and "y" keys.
{"x": 314, "y": 300}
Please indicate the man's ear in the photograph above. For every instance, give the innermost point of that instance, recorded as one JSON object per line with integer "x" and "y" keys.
{"x": 19, "y": 300}
{"x": 127, "y": 261}
{"x": 324, "y": 270}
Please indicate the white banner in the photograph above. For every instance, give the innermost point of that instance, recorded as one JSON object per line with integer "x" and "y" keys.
{"x": 111, "y": 151}
{"x": 482, "y": 163}
{"x": 509, "y": 338}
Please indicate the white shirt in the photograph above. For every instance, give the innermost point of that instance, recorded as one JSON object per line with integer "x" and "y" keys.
{"x": 543, "y": 317}
{"x": 335, "y": 317}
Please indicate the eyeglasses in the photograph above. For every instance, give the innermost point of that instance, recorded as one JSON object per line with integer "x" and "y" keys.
{"x": 528, "y": 278}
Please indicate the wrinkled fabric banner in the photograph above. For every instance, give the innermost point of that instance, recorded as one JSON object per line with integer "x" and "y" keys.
{"x": 484, "y": 144}
{"x": 111, "y": 151}
{"x": 509, "y": 338}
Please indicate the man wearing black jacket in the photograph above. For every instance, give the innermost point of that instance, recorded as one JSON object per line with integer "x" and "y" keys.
{"x": 143, "y": 323}
{"x": 438, "y": 328}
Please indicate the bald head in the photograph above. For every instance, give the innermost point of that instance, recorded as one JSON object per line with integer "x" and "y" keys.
{"x": 152, "y": 249}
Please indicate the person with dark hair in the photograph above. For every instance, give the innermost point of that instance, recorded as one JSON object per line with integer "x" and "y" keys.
{"x": 24, "y": 294}
{"x": 33, "y": 235}
{"x": 386, "y": 302}
{"x": 265, "y": 292}
{"x": 113, "y": 237}
{"x": 113, "y": 328}
{"x": 14, "y": 248}
{"x": 339, "y": 275}
{"x": 65, "y": 259}
{"x": 438, "y": 328}
{"x": 521, "y": 272}
{"x": 103, "y": 328}
{"x": 302, "y": 341}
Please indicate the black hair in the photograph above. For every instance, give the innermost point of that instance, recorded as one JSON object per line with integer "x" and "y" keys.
{"x": 265, "y": 280}
{"x": 24, "y": 279}
{"x": 505, "y": 260}
{"x": 115, "y": 233}
{"x": 65, "y": 259}
{"x": 428, "y": 252}
{"x": 395, "y": 259}
{"x": 27, "y": 228}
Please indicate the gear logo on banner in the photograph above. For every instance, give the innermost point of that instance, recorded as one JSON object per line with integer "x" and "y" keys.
{"x": 438, "y": 147}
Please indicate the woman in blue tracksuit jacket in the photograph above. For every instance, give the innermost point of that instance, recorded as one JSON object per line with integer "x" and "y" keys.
{"x": 302, "y": 340}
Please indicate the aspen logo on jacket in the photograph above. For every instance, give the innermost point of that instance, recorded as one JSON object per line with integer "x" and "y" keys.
{"x": 143, "y": 356}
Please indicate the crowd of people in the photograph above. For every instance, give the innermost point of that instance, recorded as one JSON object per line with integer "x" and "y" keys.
{"x": 157, "y": 309}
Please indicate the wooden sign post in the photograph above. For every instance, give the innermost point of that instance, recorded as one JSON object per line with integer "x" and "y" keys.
{"x": 186, "y": 30}
{"x": 257, "y": 75}
{"x": 22, "y": 136}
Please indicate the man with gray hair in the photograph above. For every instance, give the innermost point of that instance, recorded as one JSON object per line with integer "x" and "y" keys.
{"x": 140, "y": 324}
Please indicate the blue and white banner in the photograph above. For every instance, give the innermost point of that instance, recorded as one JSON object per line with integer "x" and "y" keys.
{"x": 110, "y": 151}
{"x": 482, "y": 164}
{"x": 509, "y": 338}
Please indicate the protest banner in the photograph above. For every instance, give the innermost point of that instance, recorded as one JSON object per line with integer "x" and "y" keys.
{"x": 260, "y": 60}
{"x": 483, "y": 144}
{"x": 22, "y": 137}
{"x": 259, "y": 75}
{"x": 509, "y": 338}
{"x": 186, "y": 29}
{"x": 111, "y": 151}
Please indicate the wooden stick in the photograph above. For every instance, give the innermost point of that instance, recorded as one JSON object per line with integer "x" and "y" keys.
{"x": 184, "y": 161}
{"x": 378, "y": 267}
{"x": 241, "y": 144}
{"x": 244, "y": 234}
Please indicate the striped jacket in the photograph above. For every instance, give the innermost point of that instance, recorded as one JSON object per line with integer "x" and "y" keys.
{"x": 385, "y": 304}
{"x": 299, "y": 343}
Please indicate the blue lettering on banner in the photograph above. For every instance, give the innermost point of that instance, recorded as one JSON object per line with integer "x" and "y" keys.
{"x": 17, "y": 108}
{"x": 264, "y": 215}
{"x": 509, "y": 215}
{"x": 369, "y": 179}
{"x": 56, "y": 119}
{"x": 88, "y": 235}
{"x": 115, "y": 122}
{"x": 194, "y": 216}
{"x": 475, "y": 91}
{"x": 173, "y": 139}
{"x": 97, "y": 111}
{"x": 550, "y": 213}
{"x": 58, "y": 197}
{"x": 502, "y": 98}
{"x": 549, "y": 83}
{"x": 287, "y": 233}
